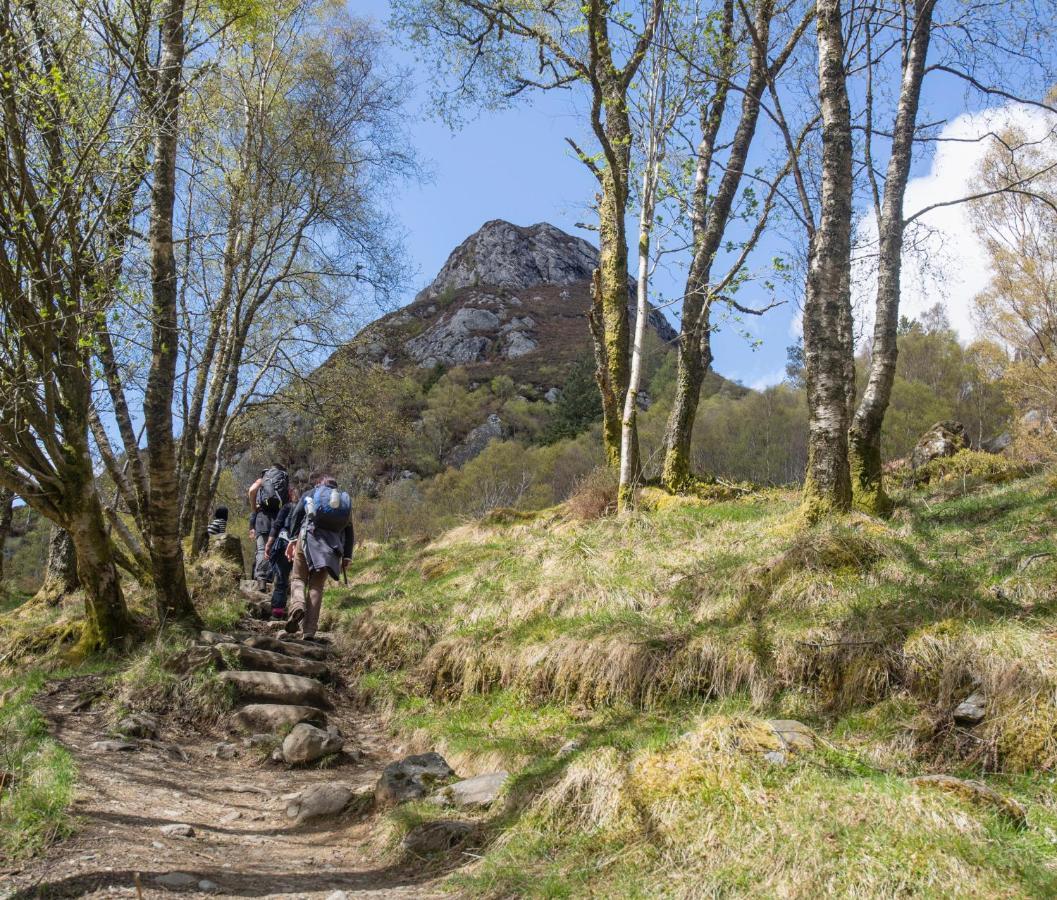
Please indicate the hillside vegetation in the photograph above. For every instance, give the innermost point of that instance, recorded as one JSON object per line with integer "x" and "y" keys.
{"x": 625, "y": 671}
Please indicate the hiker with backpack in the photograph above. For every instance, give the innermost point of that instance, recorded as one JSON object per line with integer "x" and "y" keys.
{"x": 267, "y": 495}
{"x": 275, "y": 549}
{"x": 322, "y": 521}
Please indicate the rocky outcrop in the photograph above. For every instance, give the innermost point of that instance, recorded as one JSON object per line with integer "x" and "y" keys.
{"x": 505, "y": 293}
{"x": 473, "y": 446}
{"x": 505, "y": 255}
{"x": 411, "y": 778}
{"x": 942, "y": 439}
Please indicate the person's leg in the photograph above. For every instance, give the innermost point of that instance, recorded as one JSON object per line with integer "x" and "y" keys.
{"x": 282, "y": 587}
{"x": 316, "y": 583}
{"x": 299, "y": 577}
{"x": 261, "y": 565}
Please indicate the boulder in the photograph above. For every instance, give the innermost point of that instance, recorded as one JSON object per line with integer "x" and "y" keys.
{"x": 971, "y": 710}
{"x": 411, "y": 778}
{"x": 318, "y": 801}
{"x": 479, "y": 791}
{"x": 305, "y": 743}
{"x": 299, "y": 649}
{"x": 998, "y": 444}
{"x": 215, "y": 637}
{"x": 476, "y": 441}
{"x": 273, "y": 687}
{"x": 942, "y": 439}
{"x": 268, "y": 661}
{"x": 272, "y": 717}
{"x": 177, "y": 829}
{"x": 976, "y": 792}
{"x": 791, "y": 737}
{"x": 137, "y": 725}
{"x": 229, "y": 547}
{"x": 553, "y": 395}
{"x": 438, "y": 837}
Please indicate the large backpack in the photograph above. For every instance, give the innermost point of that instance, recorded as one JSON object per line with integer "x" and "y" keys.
{"x": 274, "y": 490}
{"x": 329, "y": 508}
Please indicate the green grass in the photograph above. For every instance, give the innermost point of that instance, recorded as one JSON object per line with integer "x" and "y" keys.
{"x": 648, "y": 640}
{"x": 40, "y": 774}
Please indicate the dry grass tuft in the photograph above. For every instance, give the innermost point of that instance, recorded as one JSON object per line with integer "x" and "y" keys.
{"x": 595, "y": 496}
{"x": 1015, "y": 669}
{"x": 375, "y": 644}
{"x": 592, "y": 793}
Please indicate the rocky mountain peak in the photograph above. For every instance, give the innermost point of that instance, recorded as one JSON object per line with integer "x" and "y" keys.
{"x": 503, "y": 255}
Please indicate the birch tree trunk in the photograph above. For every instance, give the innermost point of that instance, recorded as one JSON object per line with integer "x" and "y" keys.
{"x": 60, "y": 571}
{"x": 828, "y": 352}
{"x": 629, "y": 462}
{"x": 864, "y": 436}
{"x": 709, "y": 222}
{"x": 164, "y": 514}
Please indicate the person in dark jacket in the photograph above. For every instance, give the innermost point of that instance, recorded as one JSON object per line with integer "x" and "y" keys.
{"x": 275, "y": 549}
{"x": 261, "y": 519}
{"x": 315, "y": 553}
{"x": 219, "y": 525}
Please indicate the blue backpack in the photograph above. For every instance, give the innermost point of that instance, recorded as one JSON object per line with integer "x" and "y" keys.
{"x": 329, "y": 508}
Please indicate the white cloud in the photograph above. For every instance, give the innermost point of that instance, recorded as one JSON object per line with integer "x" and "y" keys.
{"x": 768, "y": 379}
{"x": 953, "y": 268}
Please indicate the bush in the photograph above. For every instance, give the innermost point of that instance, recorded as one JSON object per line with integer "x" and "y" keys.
{"x": 595, "y": 496}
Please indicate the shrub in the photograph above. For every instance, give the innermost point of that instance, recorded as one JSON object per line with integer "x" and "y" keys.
{"x": 595, "y": 496}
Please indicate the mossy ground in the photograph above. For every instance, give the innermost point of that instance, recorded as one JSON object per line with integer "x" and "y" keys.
{"x": 654, "y": 640}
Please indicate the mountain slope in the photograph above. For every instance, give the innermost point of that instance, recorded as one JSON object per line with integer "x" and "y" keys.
{"x": 510, "y": 300}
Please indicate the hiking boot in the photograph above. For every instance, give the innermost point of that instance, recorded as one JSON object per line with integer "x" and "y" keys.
{"x": 262, "y": 585}
{"x": 293, "y": 622}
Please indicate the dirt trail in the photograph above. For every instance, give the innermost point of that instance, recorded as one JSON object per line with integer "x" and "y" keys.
{"x": 243, "y": 843}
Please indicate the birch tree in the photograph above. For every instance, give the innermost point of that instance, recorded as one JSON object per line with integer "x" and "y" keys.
{"x": 71, "y": 122}
{"x": 828, "y": 345}
{"x": 719, "y": 173}
{"x": 498, "y": 51}
{"x": 289, "y": 246}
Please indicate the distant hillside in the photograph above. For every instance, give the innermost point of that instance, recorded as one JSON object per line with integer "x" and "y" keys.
{"x": 510, "y": 300}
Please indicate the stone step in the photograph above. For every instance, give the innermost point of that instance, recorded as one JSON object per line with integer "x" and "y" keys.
{"x": 300, "y": 649}
{"x": 266, "y": 661}
{"x": 269, "y": 718}
{"x": 273, "y": 687}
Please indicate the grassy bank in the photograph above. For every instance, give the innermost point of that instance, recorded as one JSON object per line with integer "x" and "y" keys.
{"x": 660, "y": 646}
{"x": 37, "y": 774}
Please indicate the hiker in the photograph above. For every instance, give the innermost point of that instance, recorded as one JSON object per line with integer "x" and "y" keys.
{"x": 267, "y": 496}
{"x": 275, "y": 550}
{"x": 322, "y": 521}
{"x": 219, "y": 525}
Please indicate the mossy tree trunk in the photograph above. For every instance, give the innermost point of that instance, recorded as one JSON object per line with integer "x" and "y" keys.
{"x": 828, "y": 350}
{"x": 864, "y": 436}
{"x": 60, "y": 573}
{"x": 166, "y": 548}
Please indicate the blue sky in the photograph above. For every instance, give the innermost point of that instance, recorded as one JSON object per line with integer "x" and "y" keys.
{"x": 472, "y": 180}
{"x": 515, "y": 165}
